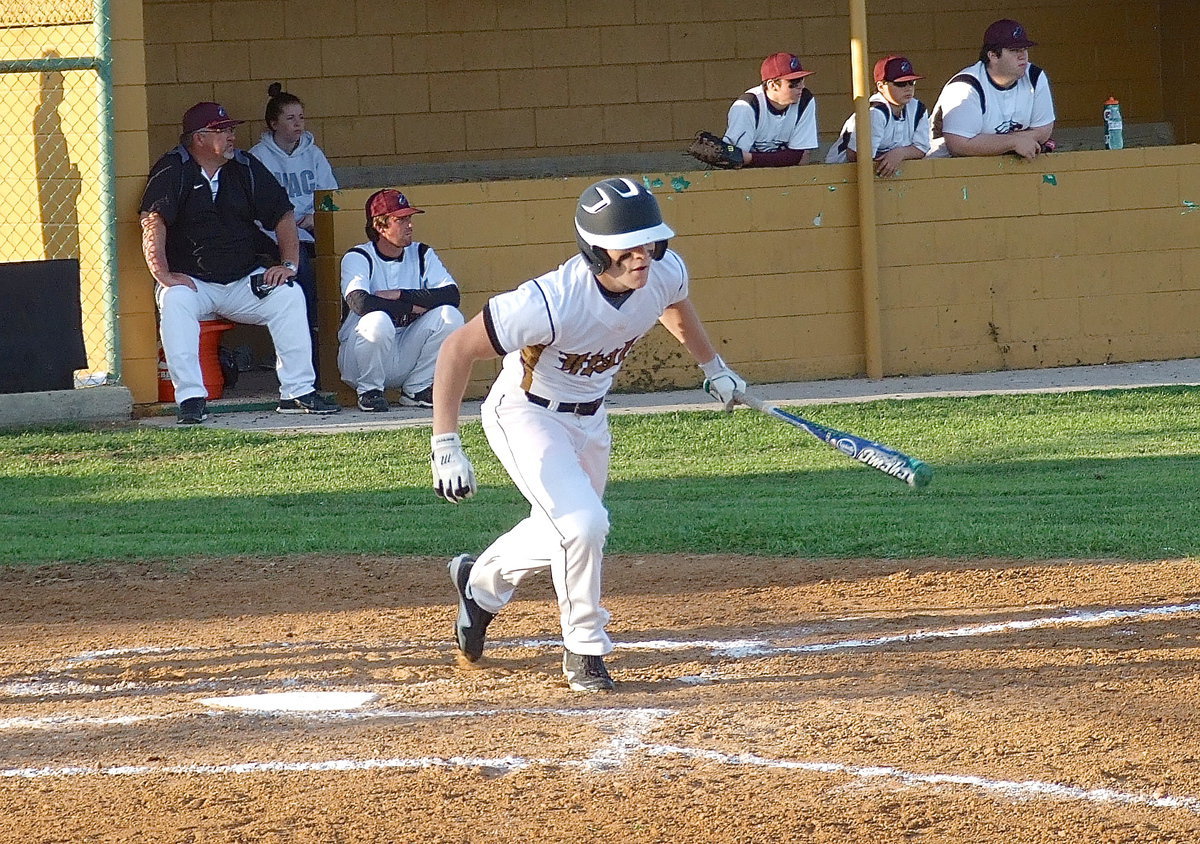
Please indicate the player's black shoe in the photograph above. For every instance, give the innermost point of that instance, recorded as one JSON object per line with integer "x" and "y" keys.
{"x": 421, "y": 398}
{"x": 373, "y": 401}
{"x": 471, "y": 626}
{"x": 312, "y": 402}
{"x": 586, "y": 673}
{"x": 192, "y": 411}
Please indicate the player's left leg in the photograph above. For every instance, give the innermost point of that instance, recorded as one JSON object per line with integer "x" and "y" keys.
{"x": 411, "y": 367}
{"x": 282, "y": 311}
{"x": 559, "y": 462}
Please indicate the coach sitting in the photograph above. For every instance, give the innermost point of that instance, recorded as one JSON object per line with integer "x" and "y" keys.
{"x": 208, "y": 257}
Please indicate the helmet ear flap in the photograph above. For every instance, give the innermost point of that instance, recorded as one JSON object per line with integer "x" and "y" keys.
{"x": 597, "y": 258}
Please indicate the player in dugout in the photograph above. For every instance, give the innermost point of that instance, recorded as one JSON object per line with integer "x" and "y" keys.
{"x": 563, "y": 337}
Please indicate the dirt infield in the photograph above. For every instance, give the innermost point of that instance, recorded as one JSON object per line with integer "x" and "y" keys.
{"x": 758, "y": 700}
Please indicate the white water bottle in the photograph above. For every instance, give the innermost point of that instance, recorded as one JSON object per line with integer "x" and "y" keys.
{"x": 1114, "y": 127}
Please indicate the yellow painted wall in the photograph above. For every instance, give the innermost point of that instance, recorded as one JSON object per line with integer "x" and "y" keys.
{"x": 478, "y": 79}
{"x": 1180, "y": 35}
{"x": 986, "y": 264}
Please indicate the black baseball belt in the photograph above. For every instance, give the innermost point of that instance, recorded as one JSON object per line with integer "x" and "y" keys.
{"x": 583, "y": 408}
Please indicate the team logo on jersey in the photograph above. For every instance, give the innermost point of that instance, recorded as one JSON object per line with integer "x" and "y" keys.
{"x": 593, "y": 363}
{"x": 1008, "y": 126}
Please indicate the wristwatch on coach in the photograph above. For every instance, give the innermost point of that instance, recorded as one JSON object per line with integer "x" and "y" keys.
{"x": 289, "y": 266}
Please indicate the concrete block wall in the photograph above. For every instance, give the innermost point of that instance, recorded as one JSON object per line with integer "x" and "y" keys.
{"x": 985, "y": 264}
{"x": 470, "y": 80}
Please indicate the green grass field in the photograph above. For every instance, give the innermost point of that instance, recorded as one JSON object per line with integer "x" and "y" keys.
{"x": 1099, "y": 474}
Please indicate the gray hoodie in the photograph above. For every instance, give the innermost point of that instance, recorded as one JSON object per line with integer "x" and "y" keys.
{"x": 300, "y": 172}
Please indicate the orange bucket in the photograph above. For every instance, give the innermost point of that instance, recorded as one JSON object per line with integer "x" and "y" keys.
{"x": 210, "y": 362}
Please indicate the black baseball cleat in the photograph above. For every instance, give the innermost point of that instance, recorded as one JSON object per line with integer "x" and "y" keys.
{"x": 312, "y": 402}
{"x": 472, "y": 623}
{"x": 421, "y": 398}
{"x": 373, "y": 401}
{"x": 586, "y": 673}
{"x": 192, "y": 411}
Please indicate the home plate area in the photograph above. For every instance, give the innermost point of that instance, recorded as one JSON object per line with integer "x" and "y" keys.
{"x": 757, "y": 700}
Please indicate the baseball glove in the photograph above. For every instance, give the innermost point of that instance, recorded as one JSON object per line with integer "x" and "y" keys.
{"x": 714, "y": 151}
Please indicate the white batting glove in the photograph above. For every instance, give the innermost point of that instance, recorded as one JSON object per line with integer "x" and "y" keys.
{"x": 453, "y": 476}
{"x": 721, "y": 382}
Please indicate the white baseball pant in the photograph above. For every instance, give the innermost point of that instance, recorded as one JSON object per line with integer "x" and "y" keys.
{"x": 282, "y": 311}
{"x": 559, "y": 462}
{"x": 377, "y": 355}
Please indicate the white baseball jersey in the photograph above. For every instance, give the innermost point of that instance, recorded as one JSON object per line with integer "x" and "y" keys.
{"x": 755, "y": 125}
{"x": 972, "y": 104}
{"x": 888, "y": 132}
{"x": 363, "y": 268}
{"x": 563, "y": 341}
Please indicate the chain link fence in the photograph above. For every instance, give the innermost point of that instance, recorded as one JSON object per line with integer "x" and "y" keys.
{"x": 56, "y": 184}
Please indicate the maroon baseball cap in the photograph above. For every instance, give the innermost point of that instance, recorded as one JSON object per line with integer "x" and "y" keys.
{"x": 782, "y": 66}
{"x": 207, "y": 116}
{"x": 1007, "y": 33}
{"x": 389, "y": 201}
{"x": 895, "y": 69}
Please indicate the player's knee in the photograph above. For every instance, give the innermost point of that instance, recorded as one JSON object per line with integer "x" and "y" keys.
{"x": 587, "y": 527}
{"x": 376, "y": 326}
{"x": 179, "y": 299}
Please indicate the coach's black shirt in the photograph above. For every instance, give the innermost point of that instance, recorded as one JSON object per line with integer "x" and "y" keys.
{"x": 215, "y": 240}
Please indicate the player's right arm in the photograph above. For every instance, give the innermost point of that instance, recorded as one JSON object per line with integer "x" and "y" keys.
{"x": 1024, "y": 143}
{"x": 456, "y": 358}
{"x": 453, "y": 475}
{"x": 154, "y": 250}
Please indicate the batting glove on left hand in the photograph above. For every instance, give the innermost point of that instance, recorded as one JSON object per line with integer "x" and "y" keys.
{"x": 722, "y": 383}
{"x": 453, "y": 475}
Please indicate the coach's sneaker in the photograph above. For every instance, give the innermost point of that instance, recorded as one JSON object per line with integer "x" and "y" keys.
{"x": 372, "y": 401}
{"x": 312, "y": 402}
{"x": 472, "y": 623}
{"x": 192, "y": 411}
{"x": 421, "y": 398}
{"x": 586, "y": 673}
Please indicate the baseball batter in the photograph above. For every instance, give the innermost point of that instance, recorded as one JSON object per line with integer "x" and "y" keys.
{"x": 1000, "y": 104}
{"x": 563, "y": 337}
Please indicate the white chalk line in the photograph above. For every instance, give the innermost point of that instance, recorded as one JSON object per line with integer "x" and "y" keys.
{"x": 740, "y": 648}
{"x": 1009, "y": 788}
{"x": 616, "y": 754}
{"x": 728, "y": 649}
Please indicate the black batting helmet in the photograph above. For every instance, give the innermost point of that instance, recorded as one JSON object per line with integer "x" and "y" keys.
{"x": 618, "y": 214}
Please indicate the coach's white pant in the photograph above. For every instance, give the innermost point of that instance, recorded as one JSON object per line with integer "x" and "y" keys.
{"x": 282, "y": 311}
{"x": 376, "y": 355}
{"x": 559, "y": 462}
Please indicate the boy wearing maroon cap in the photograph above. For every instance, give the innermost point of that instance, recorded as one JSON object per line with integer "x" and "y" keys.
{"x": 775, "y": 124}
{"x": 899, "y": 121}
{"x": 200, "y": 215}
{"x": 403, "y": 304}
{"x": 1000, "y": 104}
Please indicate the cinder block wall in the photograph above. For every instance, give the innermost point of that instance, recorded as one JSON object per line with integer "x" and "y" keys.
{"x": 1080, "y": 258}
{"x": 482, "y": 79}
{"x": 1181, "y": 97}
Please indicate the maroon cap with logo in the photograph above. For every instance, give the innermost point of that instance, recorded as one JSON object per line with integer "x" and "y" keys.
{"x": 895, "y": 69}
{"x": 207, "y": 116}
{"x": 1007, "y": 33}
{"x": 782, "y": 66}
{"x": 389, "y": 201}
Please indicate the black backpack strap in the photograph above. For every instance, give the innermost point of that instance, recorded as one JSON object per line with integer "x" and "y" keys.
{"x": 753, "y": 103}
{"x": 422, "y": 248}
{"x": 974, "y": 83}
{"x": 806, "y": 98}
